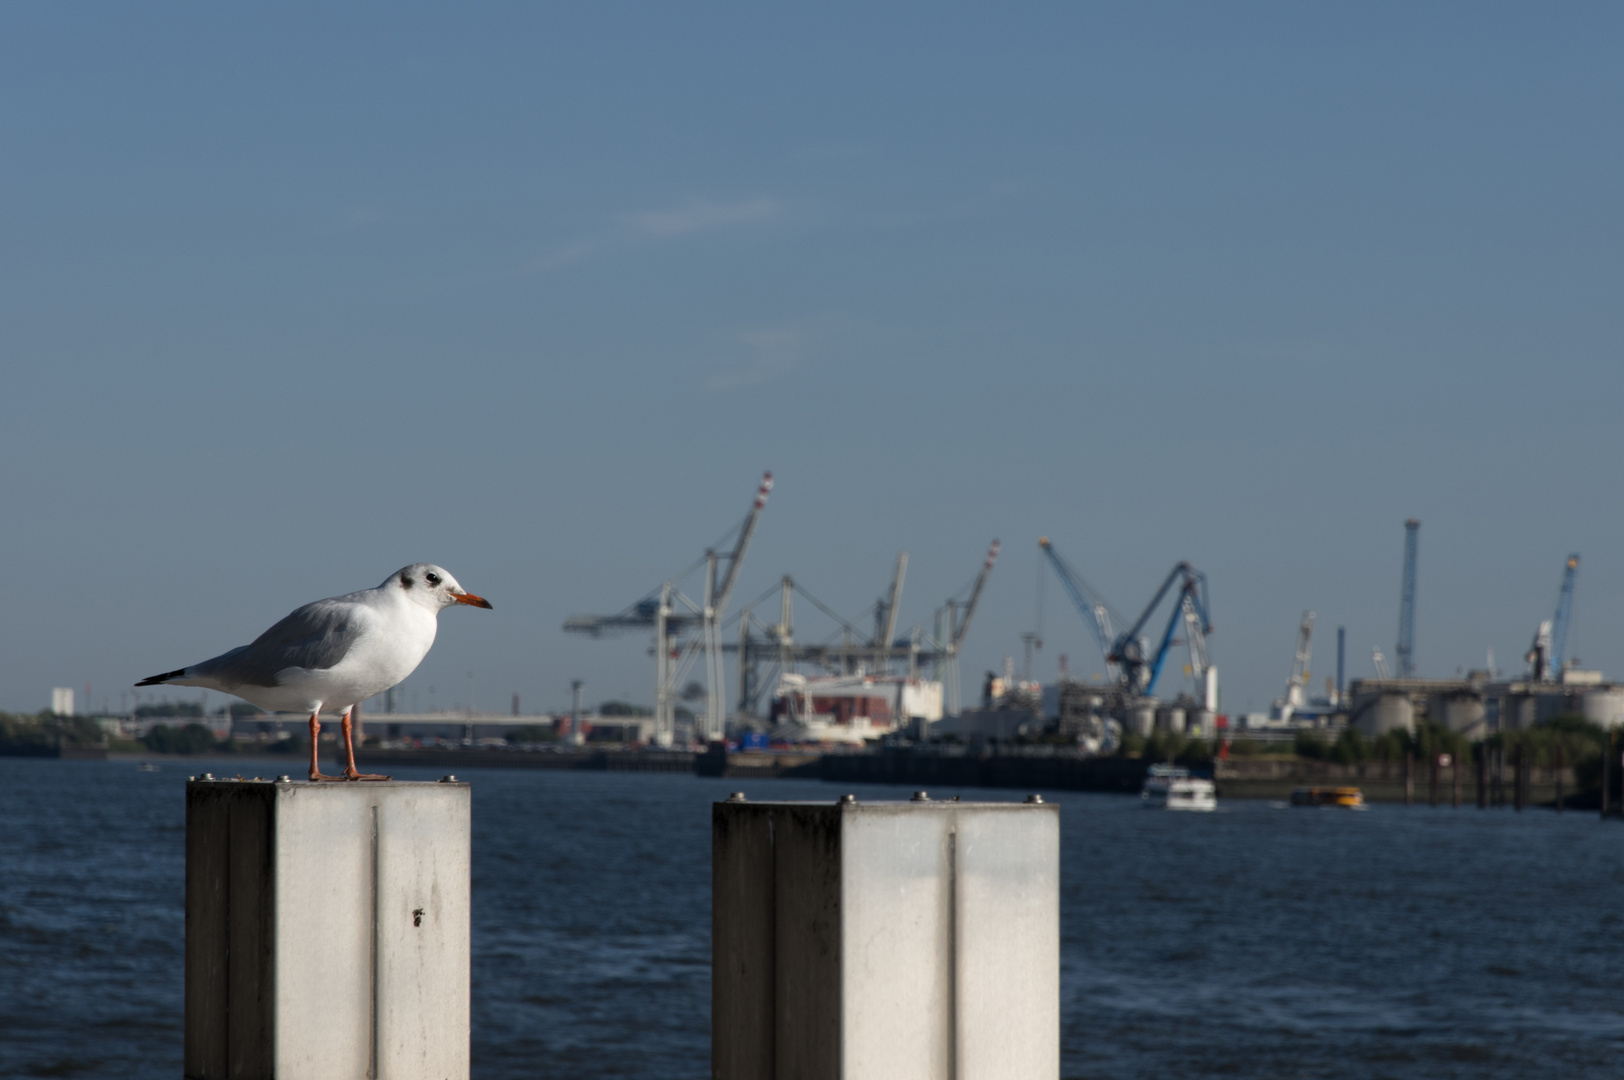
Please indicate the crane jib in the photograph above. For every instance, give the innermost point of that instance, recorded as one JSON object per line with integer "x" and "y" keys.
{"x": 1126, "y": 651}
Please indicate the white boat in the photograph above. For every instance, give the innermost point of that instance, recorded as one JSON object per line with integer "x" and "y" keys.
{"x": 1168, "y": 787}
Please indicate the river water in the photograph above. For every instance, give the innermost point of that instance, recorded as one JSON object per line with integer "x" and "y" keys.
{"x": 1255, "y": 942}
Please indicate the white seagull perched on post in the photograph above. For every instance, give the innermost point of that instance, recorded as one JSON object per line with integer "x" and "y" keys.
{"x": 335, "y": 653}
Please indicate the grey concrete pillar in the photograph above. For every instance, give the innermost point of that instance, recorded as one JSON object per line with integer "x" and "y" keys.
{"x": 326, "y": 930}
{"x": 885, "y": 941}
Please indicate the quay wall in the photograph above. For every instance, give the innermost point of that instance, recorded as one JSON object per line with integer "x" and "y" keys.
{"x": 1243, "y": 778}
{"x": 1124, "y": 775}
{"x": 662, "y": 761}
{"x": 1383, "y": 781}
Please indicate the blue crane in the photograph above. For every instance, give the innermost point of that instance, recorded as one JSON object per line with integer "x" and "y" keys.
{"x": 1549, "y": 653}
{"x": 1190, "y": 608}
{"x": 1136, "y": 670}
{"x": 1406, "y": 603}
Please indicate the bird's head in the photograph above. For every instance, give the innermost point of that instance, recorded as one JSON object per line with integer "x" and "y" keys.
{"x": 434, "y": 588}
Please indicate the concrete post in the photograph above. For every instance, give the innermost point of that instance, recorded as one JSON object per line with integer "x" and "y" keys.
{"x": 326, "y": 930}
{"x": 885, "y": 941}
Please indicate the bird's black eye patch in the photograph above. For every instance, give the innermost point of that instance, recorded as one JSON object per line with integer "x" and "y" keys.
{"x": 405, "y": 582}
{"x": 432, "y": 579}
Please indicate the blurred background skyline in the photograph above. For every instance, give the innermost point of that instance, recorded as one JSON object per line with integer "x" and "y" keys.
{"x": 294, "y": 296}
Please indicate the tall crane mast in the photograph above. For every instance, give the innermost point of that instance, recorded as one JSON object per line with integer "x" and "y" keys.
{"x": 1564, "y": 617}
{"x": 1406, "y": 604}
{"x": 1548, "y": 656}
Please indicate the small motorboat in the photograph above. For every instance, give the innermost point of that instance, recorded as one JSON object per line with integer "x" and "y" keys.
{"x": 146, "y": 766}
{"x": 1344, "y": 798}
{"x": 1168, "y": 787}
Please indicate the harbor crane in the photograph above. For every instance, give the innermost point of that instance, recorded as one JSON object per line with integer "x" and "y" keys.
{"x": 958, "y": 624}
{"x": 1296, "y": 695}
{"x": 1095, "y": 611}
{"x": 776, "y": 644}
{"x": 674, "y": 617}
{"x": 1549, "y": 654}
{"x": 1135, "y": 668}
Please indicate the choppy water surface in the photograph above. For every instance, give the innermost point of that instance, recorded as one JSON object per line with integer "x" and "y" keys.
{"x": 1256, "y": 942}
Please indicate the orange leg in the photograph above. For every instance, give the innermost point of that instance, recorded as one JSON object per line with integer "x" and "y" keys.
{"x": 350, "y": 771}
{"x": 315, "y": 740}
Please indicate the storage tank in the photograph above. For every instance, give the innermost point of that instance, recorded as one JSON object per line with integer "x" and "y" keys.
{"x": 1199, "y": 723}
{"x": 1605, "y": 707}
{"x": 1463, "y": 714}
{"x": 1170, "y": 718}
{"x": 1142, "y": 719}
{"x": 1389, "y": 712}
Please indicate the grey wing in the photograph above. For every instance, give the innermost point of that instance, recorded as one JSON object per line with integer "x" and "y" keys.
{"x": 315, "y": 636}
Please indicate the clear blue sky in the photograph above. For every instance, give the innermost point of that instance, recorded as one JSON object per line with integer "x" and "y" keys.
{"x": 293, "y": 295}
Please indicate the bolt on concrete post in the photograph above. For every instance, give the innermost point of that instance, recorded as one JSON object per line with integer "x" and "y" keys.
{"x": 885, "y": 941}
{"x": 326, "y": 930}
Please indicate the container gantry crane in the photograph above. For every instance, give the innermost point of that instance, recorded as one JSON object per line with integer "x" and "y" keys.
{"x": 780, "y": 646}
{"x": 673, "y": 616}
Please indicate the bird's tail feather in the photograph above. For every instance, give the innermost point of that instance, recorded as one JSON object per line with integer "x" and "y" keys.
{"x": 154, "y": 680}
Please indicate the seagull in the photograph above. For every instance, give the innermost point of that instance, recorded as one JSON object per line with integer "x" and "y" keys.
{"x": 335, "y": 653}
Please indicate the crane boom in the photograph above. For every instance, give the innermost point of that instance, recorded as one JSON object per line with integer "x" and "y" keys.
{"x": 1129, "y": 648}
{"x": 889, "y": 633}
{"x": 746, "y": 531}
{"x": 963, "y": 627}
{"x": 1191, "y": 605}
{"x": 1095, "y": 611}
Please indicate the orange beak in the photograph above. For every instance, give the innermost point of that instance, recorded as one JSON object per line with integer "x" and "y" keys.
{"x": 471, "y": 600}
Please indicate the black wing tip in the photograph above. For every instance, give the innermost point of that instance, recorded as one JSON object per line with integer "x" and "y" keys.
{"x": 155, "y": 680}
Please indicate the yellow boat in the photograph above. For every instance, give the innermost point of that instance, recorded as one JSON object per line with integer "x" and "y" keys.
{"x": 1347, "y": 798}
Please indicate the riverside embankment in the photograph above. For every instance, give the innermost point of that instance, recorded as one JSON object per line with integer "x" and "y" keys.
{"x": 1239, "y": 778}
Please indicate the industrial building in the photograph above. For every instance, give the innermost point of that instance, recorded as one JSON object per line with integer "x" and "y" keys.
{"x": 1479, "y": 705}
